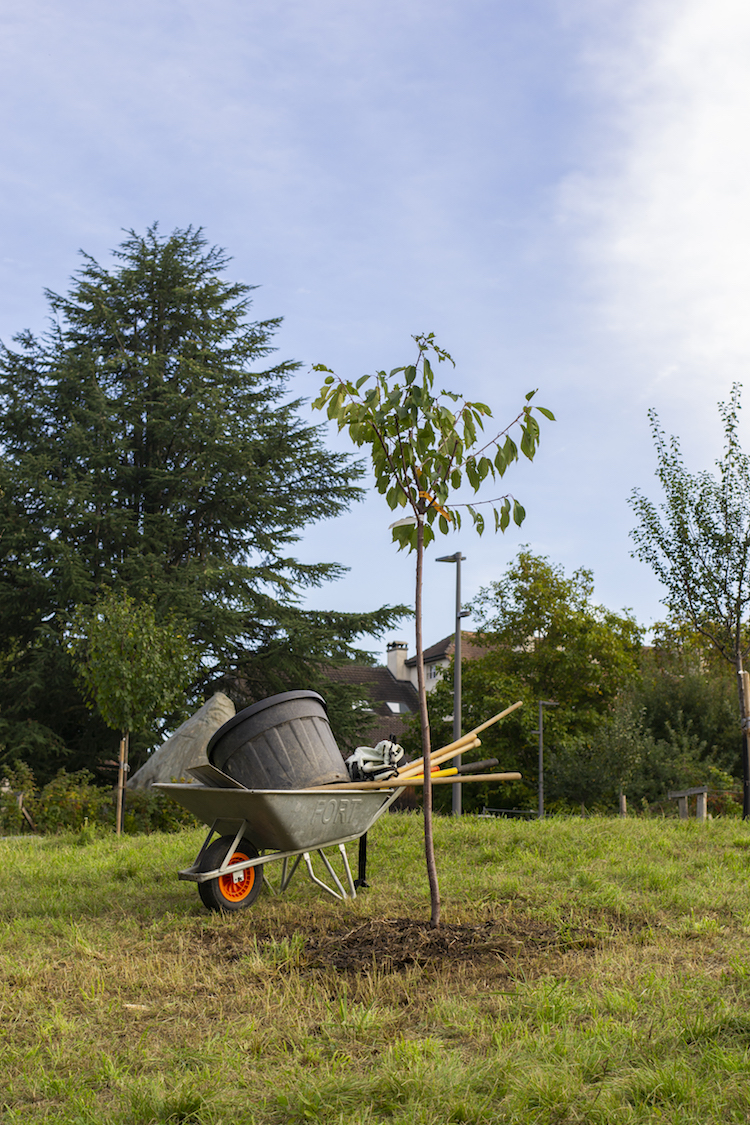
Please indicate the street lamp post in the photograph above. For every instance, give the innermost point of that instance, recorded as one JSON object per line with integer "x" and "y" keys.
{"x": 458, "y": 558}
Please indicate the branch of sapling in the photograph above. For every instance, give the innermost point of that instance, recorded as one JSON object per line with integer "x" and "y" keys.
{"x": 527, "y": 412}
{"x": 401, "y": 451}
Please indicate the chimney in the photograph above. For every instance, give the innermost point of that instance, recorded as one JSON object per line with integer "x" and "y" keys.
{"x": 396, "y": 652}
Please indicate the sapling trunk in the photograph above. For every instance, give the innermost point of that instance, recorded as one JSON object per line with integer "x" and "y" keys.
{"x": 429, "y": 846}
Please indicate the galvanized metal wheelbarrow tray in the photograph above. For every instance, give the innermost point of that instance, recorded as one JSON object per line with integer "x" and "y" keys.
{"x": 292, "y": 823}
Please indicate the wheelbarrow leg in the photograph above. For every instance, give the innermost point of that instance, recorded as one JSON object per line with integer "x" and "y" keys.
{"x": 340, "y": 892}
{"x": 361, "y": 880}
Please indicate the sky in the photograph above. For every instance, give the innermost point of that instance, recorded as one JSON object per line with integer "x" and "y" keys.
{"x": 555, "y": 188}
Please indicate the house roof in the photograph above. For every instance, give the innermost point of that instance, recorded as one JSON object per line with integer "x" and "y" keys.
{"x": 444, "y": 649}
{"x": 382, "y": 688}
{"x": 382, "y": 685}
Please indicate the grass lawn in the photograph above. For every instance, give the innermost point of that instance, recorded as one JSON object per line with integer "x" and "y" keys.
{"x": 588, "y": 971}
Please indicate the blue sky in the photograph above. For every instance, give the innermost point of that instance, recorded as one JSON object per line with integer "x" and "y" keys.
{"x": 556, "y": 188}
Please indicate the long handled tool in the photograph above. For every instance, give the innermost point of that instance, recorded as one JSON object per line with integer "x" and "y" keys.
{"x": 415, "y": 768}
{"x": 460, "y": 746}
{"x": 403, "y": 782}
{"x": 469, "y": 767}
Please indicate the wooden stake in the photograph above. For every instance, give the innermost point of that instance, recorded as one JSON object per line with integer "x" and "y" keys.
{"x": 121, "y": 772}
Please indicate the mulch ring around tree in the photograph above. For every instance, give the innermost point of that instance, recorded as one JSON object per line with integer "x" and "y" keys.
{"x": 397, "y": 944}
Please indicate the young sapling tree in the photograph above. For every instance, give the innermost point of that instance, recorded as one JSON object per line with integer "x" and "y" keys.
{"x": 133, "y": 667}
{"x": 423, "y": 445}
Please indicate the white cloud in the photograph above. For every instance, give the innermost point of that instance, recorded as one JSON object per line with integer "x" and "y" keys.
{"x": 662, "y": 206}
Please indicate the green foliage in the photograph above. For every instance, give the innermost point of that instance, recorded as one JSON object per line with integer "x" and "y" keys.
{"x": 148, "y": 810}
{"x": 425, "y": 445}
{"x": 620, "y": 753}
{"x": 29, "y": 740}
{"x": 17, "y": 786}
{"x": 69, "y": 802}
{"x": 700, "y": 550}
{"x": 543, "y": 628}
{"x": 148, "y": 446}
{"x": 644, "y": 720}
{"x": 699, "y": 546}
{"x": 72, "y": 802}
{"x": 134, "y": 668}
{"x": 689, "y": 695}
{"x": 544, "y": 639}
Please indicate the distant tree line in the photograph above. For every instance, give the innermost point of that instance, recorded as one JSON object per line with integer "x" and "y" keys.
{"x": 628, "y": 718}
{"x": 151, "y": 453}
{"x": 631, "y": 717}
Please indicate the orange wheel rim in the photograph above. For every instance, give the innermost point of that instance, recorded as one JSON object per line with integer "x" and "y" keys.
{"x": 238, "y": 884}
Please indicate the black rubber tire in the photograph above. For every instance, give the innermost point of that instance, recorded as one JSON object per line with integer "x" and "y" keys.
{"x": 223, "y": 893}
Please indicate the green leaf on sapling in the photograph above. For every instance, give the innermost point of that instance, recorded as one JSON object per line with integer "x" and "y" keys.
{"x": 519, "y": 513}
{"x": 471, "y": 473}
{"x": 500, "y": 462}
{"x": 391, "y": 496}
{"x": 402, "y": 537}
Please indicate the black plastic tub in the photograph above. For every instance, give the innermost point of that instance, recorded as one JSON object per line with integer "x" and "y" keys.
{"x": 284, "y": 742}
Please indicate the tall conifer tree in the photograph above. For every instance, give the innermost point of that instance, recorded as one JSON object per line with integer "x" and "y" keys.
{"x": 147, "y": 444}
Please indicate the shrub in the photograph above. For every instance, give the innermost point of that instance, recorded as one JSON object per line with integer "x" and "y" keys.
{"x": 72, "y": 802}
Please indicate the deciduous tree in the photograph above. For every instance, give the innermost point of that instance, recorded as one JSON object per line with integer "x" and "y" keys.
{"x": 423, "y": 446}
{"x": 544, "y": 638}
{"x": 698, "y": 544}
{"x": 133, "y": 668}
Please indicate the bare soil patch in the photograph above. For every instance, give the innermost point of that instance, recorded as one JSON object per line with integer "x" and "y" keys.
{"x": 398, "y": 944}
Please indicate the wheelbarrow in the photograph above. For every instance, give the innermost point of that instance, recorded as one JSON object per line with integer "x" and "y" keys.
{"x": 250, "y": 828}
{"x": 252, "y": 824}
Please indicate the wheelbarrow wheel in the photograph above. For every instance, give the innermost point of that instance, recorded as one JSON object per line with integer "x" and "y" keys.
{"x": 236, "y": 890}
